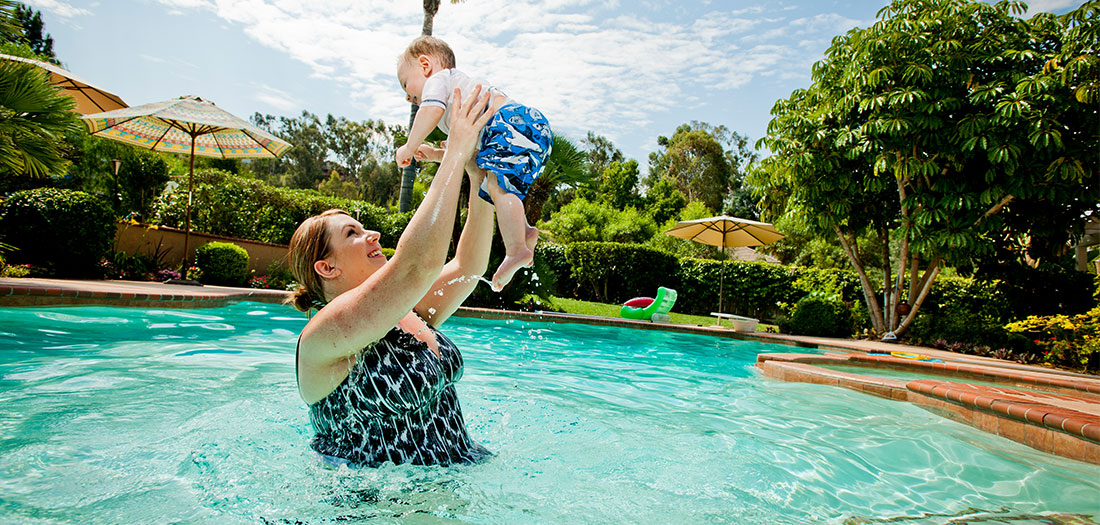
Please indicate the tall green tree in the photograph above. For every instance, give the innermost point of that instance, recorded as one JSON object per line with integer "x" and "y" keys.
{"x": 408, "y": 174}
{"x": 936, "y": 127}
{"x": 142, "y": 174}
{"x": 619, "y": 184}
{"x": 696, "y": 159}
{"x": 599, "y": 153}
{"x": 33, "y": 32}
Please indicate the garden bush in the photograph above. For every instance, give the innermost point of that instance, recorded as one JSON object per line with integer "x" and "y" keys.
{"x": 754, "y": 289}
{"x": 611, "y": 272}
{"x": 821, "y": 315}
{"x": 554, "y": 256}
{"x": 68, "y": 231}
{"x": 967, "y": 311}
{"x": 1071, "y": 341}
{"x": 277, "y": 277}
{"x": 222, "y": 263}
{"x": 234, "y": 206}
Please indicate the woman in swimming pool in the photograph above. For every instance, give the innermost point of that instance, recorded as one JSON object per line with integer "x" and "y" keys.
{"x": 377, "y": 375}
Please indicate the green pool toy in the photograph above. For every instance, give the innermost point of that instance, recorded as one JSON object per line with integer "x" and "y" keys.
{"x": 652, "y": 308}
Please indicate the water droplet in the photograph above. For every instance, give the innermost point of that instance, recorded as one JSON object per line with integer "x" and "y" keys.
{"x": 439, "y": 292}
{"x": 431, "y": 311}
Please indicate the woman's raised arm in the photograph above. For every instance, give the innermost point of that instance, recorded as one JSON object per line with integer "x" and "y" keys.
{"x": 365, "y": 313}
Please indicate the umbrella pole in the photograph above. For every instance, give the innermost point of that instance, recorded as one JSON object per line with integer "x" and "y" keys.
{"x": 721, "y": 283}
{"x": 187, "y": 227}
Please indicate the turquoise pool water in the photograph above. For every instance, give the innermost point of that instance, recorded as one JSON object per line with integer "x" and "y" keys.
{"x": 153, "y": 416}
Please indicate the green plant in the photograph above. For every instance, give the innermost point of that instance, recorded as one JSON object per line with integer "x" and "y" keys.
{"x": 68, "y": 230}
{"x": 235, "y": 206}
{"x": 1072, "y": 341}
{"x": 822, "y": 316}
{"x": 222, "y": 263}
{"x": 615, "y": 272}
{"x": 278, "y": 277}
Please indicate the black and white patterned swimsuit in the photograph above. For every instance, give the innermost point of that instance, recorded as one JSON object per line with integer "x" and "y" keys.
{"x": 397, "y": 404}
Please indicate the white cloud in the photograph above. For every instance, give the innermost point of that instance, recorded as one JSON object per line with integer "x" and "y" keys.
{"x": 58, "y": 7}
{"x": 277, "y": 98}
{"x": 585, "y": 66}
{"x": 1038, "y": 6}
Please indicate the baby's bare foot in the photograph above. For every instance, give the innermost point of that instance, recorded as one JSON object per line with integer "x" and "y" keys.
{"x": 509, "y": 267}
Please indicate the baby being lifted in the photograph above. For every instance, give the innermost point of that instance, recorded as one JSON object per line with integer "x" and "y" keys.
{"x": 513, "y": 150}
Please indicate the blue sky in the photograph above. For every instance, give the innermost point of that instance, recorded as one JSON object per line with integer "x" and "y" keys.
{"x": 628, "y": 70}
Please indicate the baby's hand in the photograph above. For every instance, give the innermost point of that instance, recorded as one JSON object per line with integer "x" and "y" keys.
{"x": 404, "y": 156}
{"x": 428, "y": 153}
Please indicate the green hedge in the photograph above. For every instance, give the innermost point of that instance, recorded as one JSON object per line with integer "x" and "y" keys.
{"x": 755, "y": 289}
{"x": 819, "y": 315}
{"x": 67, "y": 232}
{"x": 611, "y": 272}
{"x": 234, "y": 206}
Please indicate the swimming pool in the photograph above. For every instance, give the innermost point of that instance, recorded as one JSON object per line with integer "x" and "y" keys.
{"x": 119, "y": 415}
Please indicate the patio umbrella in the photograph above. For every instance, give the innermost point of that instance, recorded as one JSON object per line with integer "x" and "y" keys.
{"x": 88, "y": 98}
{"x": 182, "y": 125}
{"x": 726, "y": 232}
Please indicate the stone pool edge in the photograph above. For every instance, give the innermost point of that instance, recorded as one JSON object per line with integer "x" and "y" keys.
{"x": 1049, "y": 428}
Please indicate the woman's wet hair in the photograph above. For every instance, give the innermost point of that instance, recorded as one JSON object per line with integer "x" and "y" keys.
{"x": 309, "y": 244}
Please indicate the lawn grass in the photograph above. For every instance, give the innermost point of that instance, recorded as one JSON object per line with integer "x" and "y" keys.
{"x": 576, "y": 306}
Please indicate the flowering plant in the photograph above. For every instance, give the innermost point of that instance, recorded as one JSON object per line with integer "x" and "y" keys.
{"x": 1067, "y": 340}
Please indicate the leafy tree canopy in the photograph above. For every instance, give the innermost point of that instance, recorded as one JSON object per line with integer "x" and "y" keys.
{"x": 945, "y": 124}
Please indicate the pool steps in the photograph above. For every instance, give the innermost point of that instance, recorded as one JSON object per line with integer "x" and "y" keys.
{"x": 1057, "y": 413}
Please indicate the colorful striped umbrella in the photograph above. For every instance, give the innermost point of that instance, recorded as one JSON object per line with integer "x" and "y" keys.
{"x": 186, "y": 125}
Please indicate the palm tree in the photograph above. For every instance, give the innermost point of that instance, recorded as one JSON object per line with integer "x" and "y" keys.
{"x": 34, "y": 117}
{"x": 408, "y": 175}
{"x": 565, "y": 166}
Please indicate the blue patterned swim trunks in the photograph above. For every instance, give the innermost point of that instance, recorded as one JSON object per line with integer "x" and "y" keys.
{"x": 514, "y": 147}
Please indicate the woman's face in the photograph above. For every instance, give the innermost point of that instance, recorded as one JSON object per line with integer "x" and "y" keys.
{"x": 354, "y": 251}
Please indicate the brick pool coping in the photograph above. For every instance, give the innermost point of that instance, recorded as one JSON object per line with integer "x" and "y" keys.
{"x": 1058, "y": 414}
{"x": 1064, "y": 424}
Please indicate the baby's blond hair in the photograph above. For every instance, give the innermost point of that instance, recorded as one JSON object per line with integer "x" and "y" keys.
{"x": 432, "y": 47}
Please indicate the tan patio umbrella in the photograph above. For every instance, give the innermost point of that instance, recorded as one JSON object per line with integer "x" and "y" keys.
{"x": 88, "y": 98}
{"x": 726, "y": 232}
{"x": 182, "y": 125}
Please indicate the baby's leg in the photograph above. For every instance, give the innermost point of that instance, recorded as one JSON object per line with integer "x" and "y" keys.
{"x": 514, "y": 230}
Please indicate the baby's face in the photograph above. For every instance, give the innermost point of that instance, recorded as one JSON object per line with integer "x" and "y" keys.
{"x": 412, "y": 77}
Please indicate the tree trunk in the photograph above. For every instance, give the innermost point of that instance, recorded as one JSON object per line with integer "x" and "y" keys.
{"x": 929, "y": 277}
{"x": 537, "y": 196}
{"x": 868, "y": 290}
{"x": 408, "y": 174}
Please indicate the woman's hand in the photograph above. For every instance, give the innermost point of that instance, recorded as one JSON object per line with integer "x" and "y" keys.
{"x": 469, "y": 116}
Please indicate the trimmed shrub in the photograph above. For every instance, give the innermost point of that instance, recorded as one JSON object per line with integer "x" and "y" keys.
{"x": 821, "y": 316}
{"x": 234, "y": 206}
{"x": 755, "y": 289}
{"x": 554, "y": 256}
{"x": 222, "y": 263}
{"x": 612, "y": 272}
{"x": 66, "y": 230}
